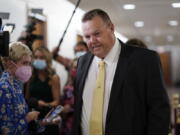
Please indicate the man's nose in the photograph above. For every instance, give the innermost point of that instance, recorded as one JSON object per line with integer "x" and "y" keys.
{"x": 92, "y": 39}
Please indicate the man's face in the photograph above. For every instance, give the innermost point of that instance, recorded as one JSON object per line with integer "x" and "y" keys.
{"x": 99, "y": 36}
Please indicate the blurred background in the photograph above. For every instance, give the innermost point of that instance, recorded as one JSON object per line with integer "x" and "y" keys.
{"x": 155, "y": 22}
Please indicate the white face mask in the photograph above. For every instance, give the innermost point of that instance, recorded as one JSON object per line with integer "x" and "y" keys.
{"x": 81, "y": 53}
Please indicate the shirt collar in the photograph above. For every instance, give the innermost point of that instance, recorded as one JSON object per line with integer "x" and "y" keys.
{"x": 111, "y": 56}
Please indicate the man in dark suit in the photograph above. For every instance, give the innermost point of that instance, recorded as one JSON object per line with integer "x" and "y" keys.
{"x": 134, "y": 99}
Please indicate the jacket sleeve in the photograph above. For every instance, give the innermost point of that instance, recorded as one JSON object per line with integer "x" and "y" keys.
{"x": 157, "y": 99}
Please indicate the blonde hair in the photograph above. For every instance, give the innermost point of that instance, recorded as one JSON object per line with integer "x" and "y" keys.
{"x": 17, "y": 50}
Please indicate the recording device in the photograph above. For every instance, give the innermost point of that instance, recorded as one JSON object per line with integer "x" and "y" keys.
{"x": 53, "y": 113}
{"x": 8, "y": 27}
{"x": 39, "y": 126}
{"x": 30, "y": 37}
{"x": 4, "y": 41}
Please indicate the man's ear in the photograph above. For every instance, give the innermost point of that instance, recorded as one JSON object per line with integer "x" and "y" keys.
{"x": 111, "y": 27}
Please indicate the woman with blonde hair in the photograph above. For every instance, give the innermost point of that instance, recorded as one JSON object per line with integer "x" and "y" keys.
{"x": 14, "y": 115}
{"x": 43, "y": 88}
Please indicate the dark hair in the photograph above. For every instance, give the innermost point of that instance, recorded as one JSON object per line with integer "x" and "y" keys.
{"x": 82, "y": 43}
{"x": 136, "y": 42}
{"x": 97, "y": 12}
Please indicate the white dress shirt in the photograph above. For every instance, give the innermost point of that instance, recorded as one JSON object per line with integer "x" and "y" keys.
{"x": 111, "y": 62}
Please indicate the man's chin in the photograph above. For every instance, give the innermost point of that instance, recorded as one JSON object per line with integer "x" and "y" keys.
{"x": 98, "y": 55}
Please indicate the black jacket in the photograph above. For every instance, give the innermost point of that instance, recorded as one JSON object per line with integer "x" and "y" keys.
{"x": 138, "y": 102}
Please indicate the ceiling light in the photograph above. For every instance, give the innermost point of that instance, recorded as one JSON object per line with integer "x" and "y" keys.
{"x": 129, "y": 6}
{"x": 173, "y": 23}
{"x": 175, "y": 5}
{"x": 139, "y": 24}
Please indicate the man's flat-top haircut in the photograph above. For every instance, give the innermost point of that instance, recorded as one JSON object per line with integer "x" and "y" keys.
{"x": 97, "y": 12}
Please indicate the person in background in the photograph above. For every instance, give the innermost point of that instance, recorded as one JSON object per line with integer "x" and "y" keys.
{"x": 79, "y": 50}
{"x": 67, "y": 98}
{"x": 136, "y": 42}
{"x": 67, "y": 101}
{"x": 129, "y": 96}
{"x": 14, "y": 115}
{"x": 43, "y": 90}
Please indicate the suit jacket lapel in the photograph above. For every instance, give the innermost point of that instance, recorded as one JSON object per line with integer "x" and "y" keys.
{"x": 117, "y": 81}
{"x": 85, "y": 64}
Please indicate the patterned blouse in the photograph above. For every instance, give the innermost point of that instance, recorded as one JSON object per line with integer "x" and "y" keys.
{"x": 13, "y": 108}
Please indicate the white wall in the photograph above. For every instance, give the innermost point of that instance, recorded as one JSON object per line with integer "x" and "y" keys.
{"x": 17, "y": 10}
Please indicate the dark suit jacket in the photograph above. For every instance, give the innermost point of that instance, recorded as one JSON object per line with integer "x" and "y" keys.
{"x": 138, "y": 102}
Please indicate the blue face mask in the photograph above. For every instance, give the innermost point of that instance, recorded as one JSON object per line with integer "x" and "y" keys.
{"x": 81, "y": 53}
{"x": 39, "y": 64}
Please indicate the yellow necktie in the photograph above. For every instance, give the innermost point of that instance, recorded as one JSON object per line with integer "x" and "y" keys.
{"x": 96, "y": 118}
